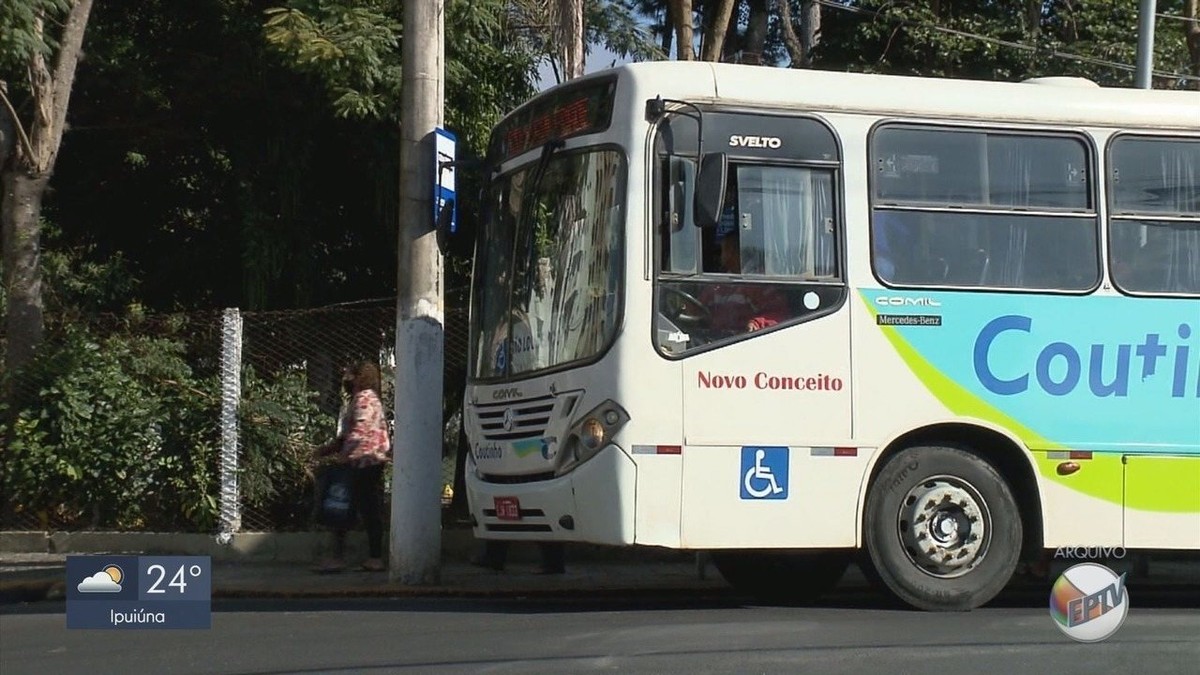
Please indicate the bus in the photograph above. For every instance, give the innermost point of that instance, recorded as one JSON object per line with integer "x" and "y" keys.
{"x": 794, "y": 319}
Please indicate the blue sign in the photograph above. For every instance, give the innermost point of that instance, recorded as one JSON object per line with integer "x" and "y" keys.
{"x": 764, "y": 473}
{"x": 443, "y": 176}
{"x": 139, "y": 592}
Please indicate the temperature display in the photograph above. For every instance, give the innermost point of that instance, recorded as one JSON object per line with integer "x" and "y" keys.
{"x": 144, "y": 592}
{"x": 174, "y": 578}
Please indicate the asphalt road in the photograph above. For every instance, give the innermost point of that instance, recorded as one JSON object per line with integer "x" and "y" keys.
{"x": 850, "y": 634}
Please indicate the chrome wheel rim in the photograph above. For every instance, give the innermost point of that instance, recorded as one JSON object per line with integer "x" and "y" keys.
{"x": 944, "y": 526}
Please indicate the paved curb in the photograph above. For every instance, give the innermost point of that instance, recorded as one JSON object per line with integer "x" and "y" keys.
{"x": 458, "y": 544}
{"x": 285, "y": 547}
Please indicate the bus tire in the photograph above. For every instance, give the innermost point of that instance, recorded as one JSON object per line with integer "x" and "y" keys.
{"x": 789, "y": 577}
{"x": 942, "y": 529}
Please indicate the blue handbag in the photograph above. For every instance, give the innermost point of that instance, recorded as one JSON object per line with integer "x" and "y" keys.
{"x": 337, "y": 499}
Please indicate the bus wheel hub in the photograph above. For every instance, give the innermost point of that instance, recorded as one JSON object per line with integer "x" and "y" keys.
{"x": 943, "y": 526}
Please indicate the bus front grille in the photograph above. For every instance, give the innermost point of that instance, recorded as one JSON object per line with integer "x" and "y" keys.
{"x": 515, "y": 421}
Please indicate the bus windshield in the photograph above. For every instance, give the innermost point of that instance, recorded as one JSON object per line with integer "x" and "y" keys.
{"x": 547, "y": 269}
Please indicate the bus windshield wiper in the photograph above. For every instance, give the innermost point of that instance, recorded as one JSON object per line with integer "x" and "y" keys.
{"x": 535, "y": 183}
{"x": 548, "y": 151}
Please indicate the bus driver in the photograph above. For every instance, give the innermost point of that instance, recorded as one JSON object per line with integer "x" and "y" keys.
{"x": 739, "y": 306}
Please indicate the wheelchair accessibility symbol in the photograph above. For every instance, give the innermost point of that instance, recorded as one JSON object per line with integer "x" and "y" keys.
{"x": 764, "y": 473}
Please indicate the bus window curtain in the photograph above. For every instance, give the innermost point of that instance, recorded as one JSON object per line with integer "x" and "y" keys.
{"x": 797, "y": 208}
{"x": 1180, "y": 176}
{"x": 1015, "y": 165}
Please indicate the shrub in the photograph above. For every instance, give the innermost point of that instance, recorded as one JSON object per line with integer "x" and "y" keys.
{"x": 280, "y": 424}
{"x": 113, "y": 431}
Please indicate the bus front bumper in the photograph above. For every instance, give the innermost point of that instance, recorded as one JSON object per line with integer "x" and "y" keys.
{"x": 593, "y": 503}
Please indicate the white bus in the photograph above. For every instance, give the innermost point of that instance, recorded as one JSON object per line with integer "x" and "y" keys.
{"x": 790, "y": 317}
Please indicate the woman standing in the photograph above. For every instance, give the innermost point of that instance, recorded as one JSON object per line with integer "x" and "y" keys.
{"x": 363, "y": 446}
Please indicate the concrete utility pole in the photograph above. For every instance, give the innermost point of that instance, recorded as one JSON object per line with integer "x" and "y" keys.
{"x": 416, "y": 531}
{"x": 1145, "y": 45}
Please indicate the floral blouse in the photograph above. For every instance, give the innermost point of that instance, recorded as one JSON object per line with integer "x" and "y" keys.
{"x": 366, "y": 442}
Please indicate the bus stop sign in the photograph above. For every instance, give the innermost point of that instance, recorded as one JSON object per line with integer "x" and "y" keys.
{"x": 443, "y": 181}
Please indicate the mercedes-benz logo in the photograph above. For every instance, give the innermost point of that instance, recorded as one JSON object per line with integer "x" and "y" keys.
{"x": 508, "y": 420}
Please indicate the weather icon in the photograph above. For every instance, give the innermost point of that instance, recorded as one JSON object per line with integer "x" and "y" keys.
{"x": 107, "y": 580}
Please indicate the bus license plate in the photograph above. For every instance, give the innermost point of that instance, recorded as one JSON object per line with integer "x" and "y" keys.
{"x": 508, "y": 508}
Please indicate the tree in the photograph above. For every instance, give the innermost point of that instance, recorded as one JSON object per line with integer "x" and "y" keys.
{"x": 681, "y": 15}
{"x": 995, "y": 40}
{"x": 981, "y": 39}
{"x": 1191, "y": 29}
{"x": 29, "y": 147}
{"x": 570, "y": 22}
{"x": 610, "y": 23}
{"x": 715, "y": 29}
{"x": 194, "y": 148}
{"x": 801, "y": 47}
{"x": 352, "y": 47}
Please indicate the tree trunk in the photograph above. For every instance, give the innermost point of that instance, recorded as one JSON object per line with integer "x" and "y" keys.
{"x": 714, "y": 32}
{"x": 756, "y": 32}
{"x": 800, "y": 47}
{"x": 1033, "y": 17}
{"x": 668, "y": 37}
{"x": 26, "y": 173}
{"x": 1191, "y": 29}
{"x": 810, "y": 30}
{"x": 571, "y": 38}
{"x": 20, "y": 209}
{"x": 681, "y": 12}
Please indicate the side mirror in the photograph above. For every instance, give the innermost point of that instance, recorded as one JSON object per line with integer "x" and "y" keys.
{"x": 710, "y": 189}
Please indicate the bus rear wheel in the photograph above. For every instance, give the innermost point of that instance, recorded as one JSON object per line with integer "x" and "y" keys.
{"x": 942, "y": 529}
{"x": 782, "y": 576}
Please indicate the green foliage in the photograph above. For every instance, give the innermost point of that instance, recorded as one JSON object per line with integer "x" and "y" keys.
{"x": 613, "y": 24}
{"x": 79, "y": 280}
{"x": 352, "y": 49}
{"x": 984, "y": 39}
{"x": 353, "y": 45}
{"x": 114, "y": 431}
{"x": 280, "y": 424}
{"x": 616, "y": 26}
{"x": 119, "y": 432}
{"x": 22, "y": 39}
{"x": 996, "y": 40}
{"x": 192, "y": 147}
{"x": 489, "y": 71}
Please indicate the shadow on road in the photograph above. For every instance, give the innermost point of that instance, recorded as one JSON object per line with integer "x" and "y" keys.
{"x": 856, "y": 599}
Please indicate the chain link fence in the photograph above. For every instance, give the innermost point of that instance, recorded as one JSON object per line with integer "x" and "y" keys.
{"x": 196, "y": 422}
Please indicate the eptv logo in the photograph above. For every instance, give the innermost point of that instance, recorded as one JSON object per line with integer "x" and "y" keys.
{"x": 1089, "y": 602}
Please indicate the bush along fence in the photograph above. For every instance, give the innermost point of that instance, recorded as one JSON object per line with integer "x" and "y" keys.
{"x": 200, "y": 422}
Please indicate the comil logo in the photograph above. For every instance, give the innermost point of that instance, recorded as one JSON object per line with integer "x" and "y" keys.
{"x": 1089, "y": 602}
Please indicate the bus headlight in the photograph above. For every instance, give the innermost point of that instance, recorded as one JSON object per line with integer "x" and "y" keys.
{"x": 590, "y": 434}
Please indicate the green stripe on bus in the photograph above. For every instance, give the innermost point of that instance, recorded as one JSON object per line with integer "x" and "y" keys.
{"x": 1174, "y": 496}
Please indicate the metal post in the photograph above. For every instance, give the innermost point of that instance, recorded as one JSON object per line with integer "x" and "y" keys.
{"x": 1145, "y": 45}
{"x": 231, "y": 395}
{"x": 415, "y": 543}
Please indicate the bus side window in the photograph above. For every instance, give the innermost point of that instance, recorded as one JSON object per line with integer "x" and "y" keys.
{"x": 1155, "y": 217}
